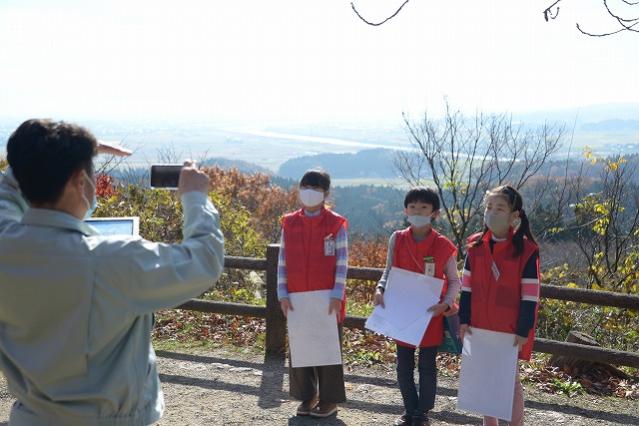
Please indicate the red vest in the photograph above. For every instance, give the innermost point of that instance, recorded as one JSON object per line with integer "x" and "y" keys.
{"x": 409, "y": 255}
{"x": 495, "y": 302}
{"x": 307, "y": 268}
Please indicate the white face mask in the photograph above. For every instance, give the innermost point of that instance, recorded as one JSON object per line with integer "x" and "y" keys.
{"x": 311, "y": 197}
{"x": 496, "y": 222}
{"x": 419, "y": 221}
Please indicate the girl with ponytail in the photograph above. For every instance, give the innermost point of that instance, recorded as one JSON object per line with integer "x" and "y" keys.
{"x": 500, "y": 285}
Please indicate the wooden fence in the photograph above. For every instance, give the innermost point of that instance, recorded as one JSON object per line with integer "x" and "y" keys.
{"x": 276, "y": 323}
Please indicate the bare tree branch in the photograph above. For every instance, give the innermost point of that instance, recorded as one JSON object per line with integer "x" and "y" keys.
{"x": 376, "y": 24}
{"x": 616, "y": 16}
{"x": 548, "y": 14}
{"x": 468, "y": 157}
{"x": 627, "y": 24}
{"x": 601, "y": 34}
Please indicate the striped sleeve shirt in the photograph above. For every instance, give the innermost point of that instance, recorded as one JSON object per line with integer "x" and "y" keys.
{"x": 341, "y": 257}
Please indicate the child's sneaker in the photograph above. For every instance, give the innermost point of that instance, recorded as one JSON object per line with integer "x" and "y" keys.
{"x": 324, "y": 409}
{"x": 404, "y": 420}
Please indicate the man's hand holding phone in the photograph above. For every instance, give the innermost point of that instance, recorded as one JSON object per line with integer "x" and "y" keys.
{"x": 192, "y": 179}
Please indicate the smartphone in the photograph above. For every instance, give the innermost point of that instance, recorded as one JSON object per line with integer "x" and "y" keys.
{"x": 165, "y": 175}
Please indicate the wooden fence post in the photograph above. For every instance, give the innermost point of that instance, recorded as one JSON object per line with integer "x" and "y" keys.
{"x": 275, "y": 321}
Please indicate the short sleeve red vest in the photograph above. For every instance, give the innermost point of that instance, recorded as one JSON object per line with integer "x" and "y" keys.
{"x": 495, "y": 301}
{"x": 409, "y": 254}
{"x": 307, "y": 268}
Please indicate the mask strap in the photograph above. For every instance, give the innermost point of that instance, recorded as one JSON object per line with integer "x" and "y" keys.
{"x": 84, "y": 198}
{"x": 86, "y": 175}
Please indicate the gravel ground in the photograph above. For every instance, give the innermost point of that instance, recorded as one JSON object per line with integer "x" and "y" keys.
{"x": 227, "y": 387}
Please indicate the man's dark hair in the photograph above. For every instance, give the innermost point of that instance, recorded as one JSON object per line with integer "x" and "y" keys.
{"x": 422, "y": 194}
{"x": 317, "y": 178}
{"x": 43, "y": 154}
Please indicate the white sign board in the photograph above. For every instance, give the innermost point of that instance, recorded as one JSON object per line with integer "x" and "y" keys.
{"x": 407, "y": 297}
{"x": 488, "y": 370}
{"x": 312, "y": 332}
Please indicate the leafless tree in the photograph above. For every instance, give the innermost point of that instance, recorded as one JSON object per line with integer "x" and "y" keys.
{"x": 550, "y": 194}
{"x": 463, "y": 158}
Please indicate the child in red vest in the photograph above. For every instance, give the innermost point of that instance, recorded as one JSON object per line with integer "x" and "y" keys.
{"x": 420, "y": 248}
{"x": 313, "y": 256}
{"x": 500, "y": 285}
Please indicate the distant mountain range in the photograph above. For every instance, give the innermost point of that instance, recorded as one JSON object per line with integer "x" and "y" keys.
{"x": 369, "y": 163}
{"x": 612, "y": 126}
{"x": 243, "y": 166}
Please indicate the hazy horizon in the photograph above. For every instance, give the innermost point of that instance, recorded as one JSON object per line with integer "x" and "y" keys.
{"x": 271, "y": 144}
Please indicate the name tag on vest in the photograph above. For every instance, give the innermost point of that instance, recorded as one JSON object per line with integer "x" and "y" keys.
{"x": 329, "y": 246}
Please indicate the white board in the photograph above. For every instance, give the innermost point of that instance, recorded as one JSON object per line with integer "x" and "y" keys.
{"x": 407, "y": 297}
{"x": 312, "y": 332}
{"x": 488, "y": 371}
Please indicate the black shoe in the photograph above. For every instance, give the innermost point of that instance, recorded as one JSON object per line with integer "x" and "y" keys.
{"x": 404, "y": 420}
{"x": 421, "y": 421}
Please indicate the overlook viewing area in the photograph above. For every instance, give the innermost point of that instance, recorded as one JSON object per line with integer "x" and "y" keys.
{"x": 230, "y": 386}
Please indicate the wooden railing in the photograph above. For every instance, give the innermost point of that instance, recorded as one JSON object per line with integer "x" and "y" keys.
{"x": 276, "y": 323}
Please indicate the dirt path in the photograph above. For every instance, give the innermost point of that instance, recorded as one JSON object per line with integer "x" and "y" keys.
{"x": 221, "y": 387}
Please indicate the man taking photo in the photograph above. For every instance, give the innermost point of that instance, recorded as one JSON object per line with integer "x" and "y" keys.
{"x": 76, "y": 308}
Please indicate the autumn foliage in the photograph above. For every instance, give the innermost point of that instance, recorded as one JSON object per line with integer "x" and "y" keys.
{"x": 104, "y": 185}
{"x": 265, "y": 202}
{"x": 368, "y": 253}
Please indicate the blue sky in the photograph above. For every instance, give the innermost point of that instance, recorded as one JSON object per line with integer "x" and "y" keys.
{"x": 304, "y": 61}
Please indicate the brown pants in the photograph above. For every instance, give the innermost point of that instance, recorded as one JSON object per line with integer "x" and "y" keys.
{"x": 305, "y": 382}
